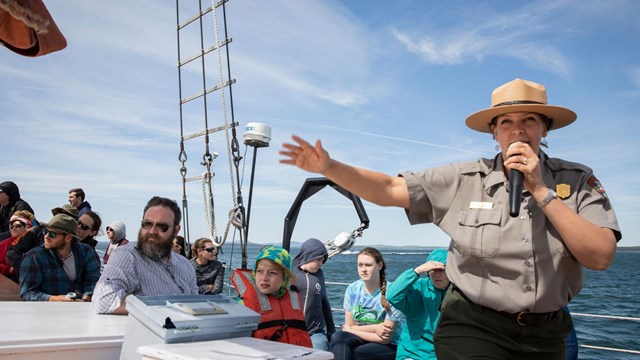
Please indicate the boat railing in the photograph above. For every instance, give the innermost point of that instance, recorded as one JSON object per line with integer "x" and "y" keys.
{"x": 574, "y": 314}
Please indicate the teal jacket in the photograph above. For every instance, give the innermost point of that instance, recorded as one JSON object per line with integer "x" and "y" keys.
{"x": 419, "y": 300}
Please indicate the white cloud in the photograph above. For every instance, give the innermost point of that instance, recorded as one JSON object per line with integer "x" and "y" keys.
{"x": 519, "y": 34}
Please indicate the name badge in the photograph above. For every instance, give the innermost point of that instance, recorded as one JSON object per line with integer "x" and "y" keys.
{"x": 480, "y": 205}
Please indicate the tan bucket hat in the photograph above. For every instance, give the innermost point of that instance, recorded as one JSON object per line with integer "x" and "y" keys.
{"x": 64, "y": 223}
{"x": 66, "y": 209}
{"x": 520, "y": 96}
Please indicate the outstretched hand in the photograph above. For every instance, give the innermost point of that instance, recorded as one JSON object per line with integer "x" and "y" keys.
{"x": 305, "y": 156}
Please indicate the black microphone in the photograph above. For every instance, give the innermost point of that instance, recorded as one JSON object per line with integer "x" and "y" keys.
{"x": 515, "y": 191}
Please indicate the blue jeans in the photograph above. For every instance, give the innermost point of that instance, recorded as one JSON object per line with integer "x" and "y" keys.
{"x": 320, "y": 341}
{"x": 346, "y": 346}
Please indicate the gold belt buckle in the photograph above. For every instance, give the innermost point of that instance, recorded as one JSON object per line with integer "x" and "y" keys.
{"x": 520, "y": 318}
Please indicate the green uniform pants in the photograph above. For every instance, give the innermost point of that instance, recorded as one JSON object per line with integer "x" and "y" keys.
{"x": 471, "y": 331}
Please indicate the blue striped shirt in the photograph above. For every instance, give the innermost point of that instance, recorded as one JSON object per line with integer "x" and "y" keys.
{"x": 129, "y": 271}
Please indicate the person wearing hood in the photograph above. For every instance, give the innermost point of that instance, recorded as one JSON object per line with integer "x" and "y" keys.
{"x": 117, "y": 233}
{"x": 10, "y": 202}
{"x": 307, "y": 269}
{"x": 268, "y": 291}
{"x": 419, "y": 299}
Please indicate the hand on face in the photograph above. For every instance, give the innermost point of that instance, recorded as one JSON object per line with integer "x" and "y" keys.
{"x": 521, "y": 157}
{"x": 306, "y": 157}
{"x": 428, "y": 266}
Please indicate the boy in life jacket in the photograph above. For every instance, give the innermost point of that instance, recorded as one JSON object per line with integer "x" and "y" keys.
{"x": 267, "y": 291}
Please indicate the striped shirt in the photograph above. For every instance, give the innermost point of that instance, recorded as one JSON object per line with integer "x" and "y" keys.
{"x": 129, "y": 271}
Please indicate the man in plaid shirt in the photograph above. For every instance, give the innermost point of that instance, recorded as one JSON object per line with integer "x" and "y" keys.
{"x": 61, "y": 269}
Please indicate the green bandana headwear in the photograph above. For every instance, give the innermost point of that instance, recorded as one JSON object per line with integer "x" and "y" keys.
{"x": 279, "y": 256}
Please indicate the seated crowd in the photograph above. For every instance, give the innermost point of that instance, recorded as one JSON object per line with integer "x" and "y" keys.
{"x": 57, "y": 261}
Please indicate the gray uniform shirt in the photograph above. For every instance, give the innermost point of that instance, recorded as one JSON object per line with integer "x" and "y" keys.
{"x": 131, "y": 272}
{"x": 507, "y": 263}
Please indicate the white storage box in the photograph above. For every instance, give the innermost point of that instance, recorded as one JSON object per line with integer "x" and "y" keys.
{"x": 232, "y": 349}
{"x": 184, "y": 318}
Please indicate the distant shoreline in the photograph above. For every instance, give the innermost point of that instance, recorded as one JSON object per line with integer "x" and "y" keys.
{"x": 295, "y": 244}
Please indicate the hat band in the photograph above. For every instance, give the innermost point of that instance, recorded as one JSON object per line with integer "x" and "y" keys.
{"x": 518, "y": 102}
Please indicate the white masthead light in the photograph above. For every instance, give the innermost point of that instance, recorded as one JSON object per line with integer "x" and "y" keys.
{"x": 257, "y": 134}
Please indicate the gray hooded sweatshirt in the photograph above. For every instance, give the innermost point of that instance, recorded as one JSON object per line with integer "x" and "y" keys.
{"x": 119, "y": 238}
{"x": 312, "y": 290}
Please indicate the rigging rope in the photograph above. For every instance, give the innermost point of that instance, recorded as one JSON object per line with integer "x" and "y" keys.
{"x": 182, "y": 156}
{"x": 208, "y": 211}
{"x": 236, "y": 214}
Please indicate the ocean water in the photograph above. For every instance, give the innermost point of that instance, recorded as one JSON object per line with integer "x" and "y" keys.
{"x": 614, "y": 292}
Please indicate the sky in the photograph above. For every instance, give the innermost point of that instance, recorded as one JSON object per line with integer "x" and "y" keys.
{"x": 385, "y": 86}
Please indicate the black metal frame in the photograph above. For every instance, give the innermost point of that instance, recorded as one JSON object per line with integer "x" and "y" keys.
{"x": 310, "y": 187}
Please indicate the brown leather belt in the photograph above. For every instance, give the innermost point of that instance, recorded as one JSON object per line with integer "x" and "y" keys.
{"x": 523, "y": 318}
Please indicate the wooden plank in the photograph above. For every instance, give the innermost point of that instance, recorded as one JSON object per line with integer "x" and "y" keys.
{"x": 9, "y": 290}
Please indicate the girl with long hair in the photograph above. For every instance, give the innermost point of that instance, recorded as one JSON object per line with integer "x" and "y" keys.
{"x": 371, "y": 328}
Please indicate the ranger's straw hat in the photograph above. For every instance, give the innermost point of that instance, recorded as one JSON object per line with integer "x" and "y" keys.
{"x": 520, "y": 96}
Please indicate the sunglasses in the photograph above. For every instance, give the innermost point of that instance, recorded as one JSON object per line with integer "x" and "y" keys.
{"x": 52, "y": 234}
{"x": 84, "y": 226}
{"x": 211, "y": 249}
{"x": 161, "y": 227}
{"x": 16, "y": 225}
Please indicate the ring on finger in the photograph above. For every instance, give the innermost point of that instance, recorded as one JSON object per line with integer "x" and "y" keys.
{"x": 524, "y": 161}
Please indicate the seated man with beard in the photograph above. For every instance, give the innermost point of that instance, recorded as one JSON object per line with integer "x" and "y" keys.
{"x": 148, "y": 267}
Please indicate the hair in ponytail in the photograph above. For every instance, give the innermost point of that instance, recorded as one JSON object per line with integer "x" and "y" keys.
{"x": 377, "y": 256}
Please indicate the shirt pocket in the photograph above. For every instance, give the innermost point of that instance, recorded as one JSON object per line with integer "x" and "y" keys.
{"x": 478, "y": 232}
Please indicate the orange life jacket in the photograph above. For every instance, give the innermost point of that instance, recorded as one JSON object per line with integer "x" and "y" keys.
{"x": 280, "y": 319}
